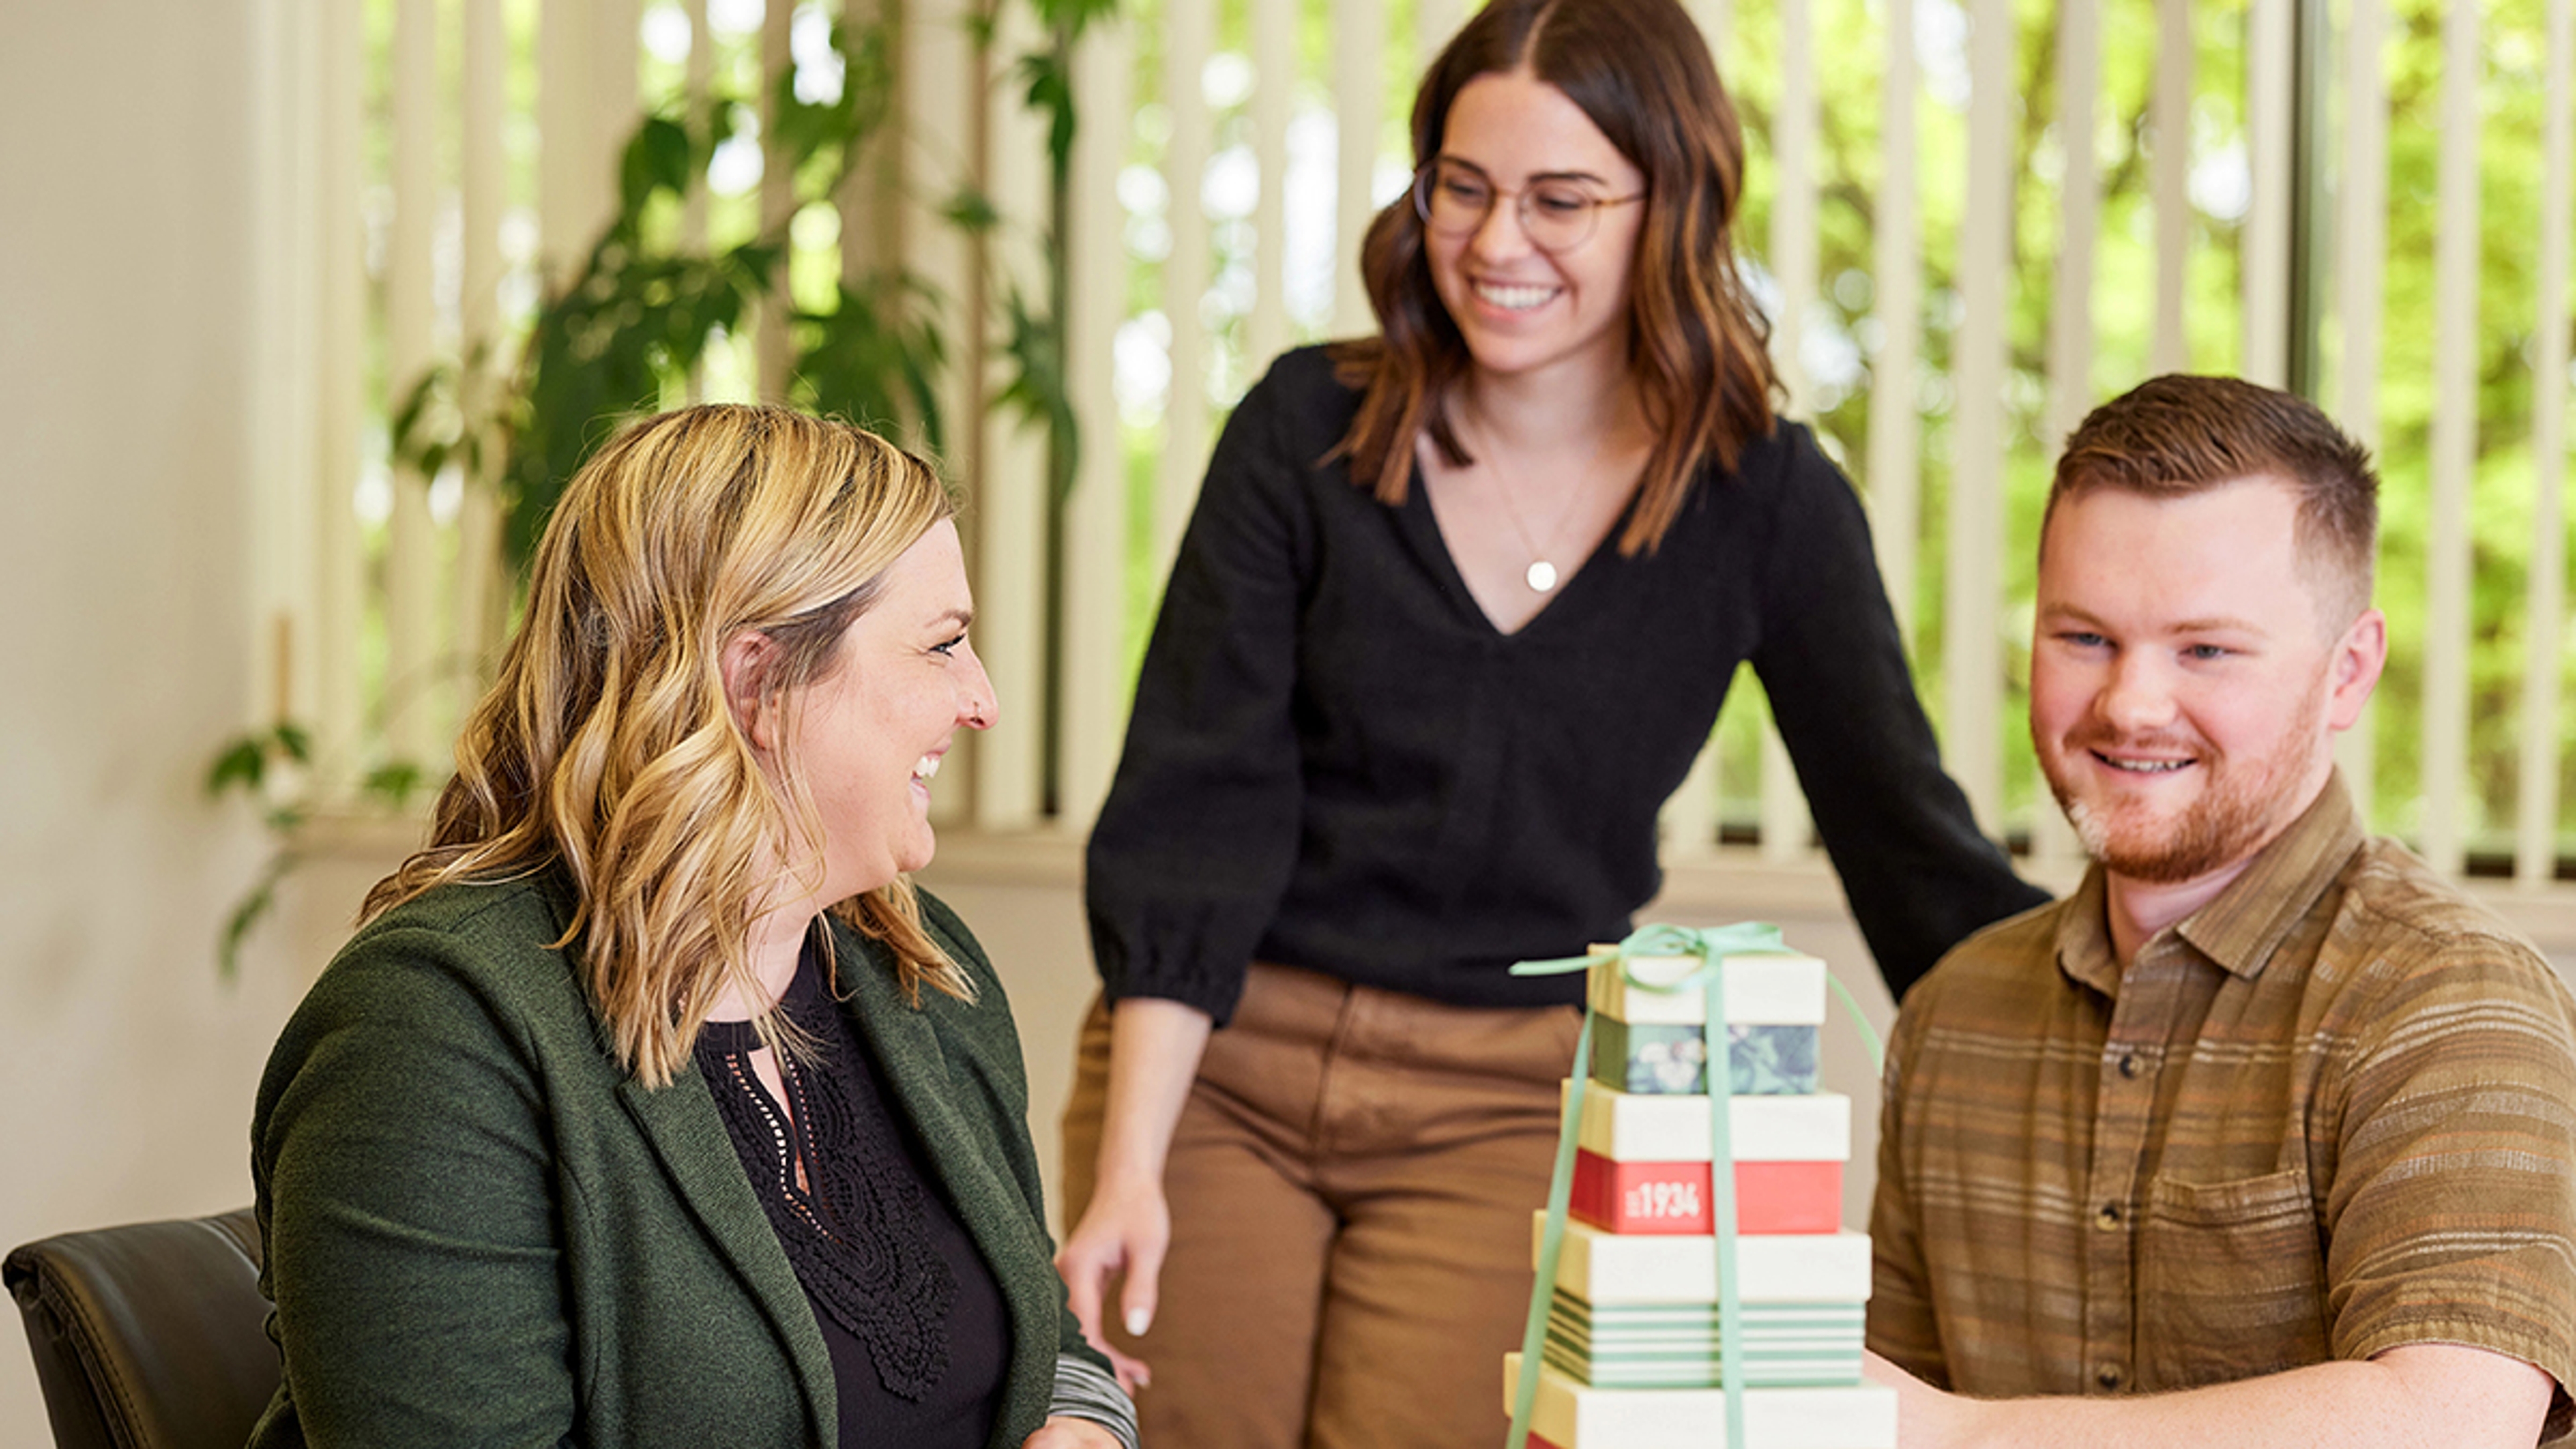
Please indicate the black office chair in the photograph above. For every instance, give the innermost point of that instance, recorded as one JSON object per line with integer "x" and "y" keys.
{"x": 149, "y": 1336}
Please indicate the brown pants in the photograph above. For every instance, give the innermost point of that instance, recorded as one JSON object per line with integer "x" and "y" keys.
{"x": 1351, "y": 1187}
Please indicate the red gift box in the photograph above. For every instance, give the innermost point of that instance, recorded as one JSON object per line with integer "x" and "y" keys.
{"x": 1672, "y": 1197}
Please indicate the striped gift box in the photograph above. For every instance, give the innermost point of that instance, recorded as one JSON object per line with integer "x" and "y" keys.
{"x": 1569, "y": 1415}
{"x": 1675, "y": 1346}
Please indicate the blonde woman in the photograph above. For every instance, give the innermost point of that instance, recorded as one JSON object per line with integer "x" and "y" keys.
{"x": 651, "y": 1105}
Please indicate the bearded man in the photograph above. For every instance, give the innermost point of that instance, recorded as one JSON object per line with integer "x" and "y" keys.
{"x": 2265, "y": 1135}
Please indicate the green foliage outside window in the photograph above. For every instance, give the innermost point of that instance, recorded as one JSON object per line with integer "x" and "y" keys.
{"x": 646, "y": 309}
{"x": 2512, "y": 104}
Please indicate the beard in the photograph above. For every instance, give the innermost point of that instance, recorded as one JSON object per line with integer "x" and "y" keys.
{"x": 2241, "y": 805}
{"x": 2215, "y": 830}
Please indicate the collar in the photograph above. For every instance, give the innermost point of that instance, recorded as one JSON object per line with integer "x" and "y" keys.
{"x": 2241, "y": 928}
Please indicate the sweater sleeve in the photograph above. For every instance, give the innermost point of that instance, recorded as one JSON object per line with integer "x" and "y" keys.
{"x": 1195, "y": 845}
{"x": 1917, "y": 872}
{"x": 405, "y": 1185}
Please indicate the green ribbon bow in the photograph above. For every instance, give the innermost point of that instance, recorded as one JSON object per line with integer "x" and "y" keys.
{"x": 1712, "y": 946}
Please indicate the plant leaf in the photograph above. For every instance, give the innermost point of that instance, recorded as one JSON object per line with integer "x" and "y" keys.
{"x": 1073, "y": 15}
{"x": 392, "y": 782}
{"x": 247, "y": 912}
{"x": 971, "y": 211}
{"x": 658, "y": 157}
{"x": 239, "y": 762}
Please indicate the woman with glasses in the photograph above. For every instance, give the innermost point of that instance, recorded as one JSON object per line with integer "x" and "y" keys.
{"x": 1454, "y": 615}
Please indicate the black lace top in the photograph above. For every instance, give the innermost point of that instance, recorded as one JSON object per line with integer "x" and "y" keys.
{"x": 919, "y": 1336}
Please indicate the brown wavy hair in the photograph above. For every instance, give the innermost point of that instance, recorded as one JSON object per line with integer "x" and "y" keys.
{"x": 606, "y": 748}
{"x": 1640, "y": 71}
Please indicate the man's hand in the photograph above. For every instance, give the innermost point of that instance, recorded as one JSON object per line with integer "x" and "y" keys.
{"x": 1926, "y": 1417}
{"x": 1061, "y": 1432}
{"x": 2420, "y": 1394}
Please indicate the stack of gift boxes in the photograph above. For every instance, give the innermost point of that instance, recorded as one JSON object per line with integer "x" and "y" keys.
{"x": 1632, "y": 1355}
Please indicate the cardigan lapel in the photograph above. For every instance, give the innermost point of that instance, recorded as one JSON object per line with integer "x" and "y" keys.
{"x": 680, "y": 1121}
{"x": 958, "y": 1143}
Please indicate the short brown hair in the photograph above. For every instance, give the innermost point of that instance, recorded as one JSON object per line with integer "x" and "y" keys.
{"x": 1639, "y": 70}
{"x": 2176, "y": 435}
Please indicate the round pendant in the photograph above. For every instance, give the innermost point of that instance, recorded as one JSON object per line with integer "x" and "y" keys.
{"x": 1542, "y": 576}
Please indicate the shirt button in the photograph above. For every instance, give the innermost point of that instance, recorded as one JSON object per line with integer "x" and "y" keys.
{"x": 2108, "y": 1219}
{"x": 2128, "y": 1064}
{"x": 2107, "y": 1376}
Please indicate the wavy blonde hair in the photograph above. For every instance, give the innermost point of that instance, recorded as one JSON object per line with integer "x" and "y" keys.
{"x": 607, "y": 748}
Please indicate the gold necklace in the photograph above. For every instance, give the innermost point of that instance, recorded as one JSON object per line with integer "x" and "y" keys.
{"x": 1541, "y": 575}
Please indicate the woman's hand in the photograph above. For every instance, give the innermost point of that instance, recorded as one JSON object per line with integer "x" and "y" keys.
{"x": 1154, "y": 1048}
{"x": 1061, "y": 1432}
{"x": 1125, "y": 1230}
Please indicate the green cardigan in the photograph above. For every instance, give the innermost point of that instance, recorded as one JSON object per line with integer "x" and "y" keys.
{"x": 480, "y": 1231}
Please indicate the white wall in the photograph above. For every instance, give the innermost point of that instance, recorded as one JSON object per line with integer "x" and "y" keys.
{"x": 126, "y": 1069}
{"x": 1032, "y": 929}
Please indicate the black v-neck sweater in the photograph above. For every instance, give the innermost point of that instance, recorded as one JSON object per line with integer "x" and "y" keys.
{"x": 1337, "y": 762}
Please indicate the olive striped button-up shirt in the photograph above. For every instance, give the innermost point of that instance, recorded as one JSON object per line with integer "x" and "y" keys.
{"x": 2330, "y": 1113}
